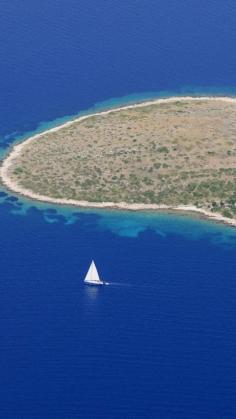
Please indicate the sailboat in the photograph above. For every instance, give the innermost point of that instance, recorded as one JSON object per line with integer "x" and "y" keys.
{"x": 92, "y": 277}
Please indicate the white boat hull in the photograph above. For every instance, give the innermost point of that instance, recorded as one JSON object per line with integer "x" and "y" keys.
{"x": 96, "y": 283}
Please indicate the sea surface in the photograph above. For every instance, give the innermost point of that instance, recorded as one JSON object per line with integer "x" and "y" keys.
{"x": 160, "y": 340}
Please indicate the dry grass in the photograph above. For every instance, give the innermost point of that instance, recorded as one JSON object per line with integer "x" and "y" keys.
{"x": 181, "y": 152}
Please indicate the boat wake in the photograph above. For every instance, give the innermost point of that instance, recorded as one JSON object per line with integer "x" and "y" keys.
{"x": 147, "y": 287}
{"x": 118, "y": 284}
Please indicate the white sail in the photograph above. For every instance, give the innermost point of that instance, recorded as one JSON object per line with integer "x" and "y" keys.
{"x": 92, "y": 276}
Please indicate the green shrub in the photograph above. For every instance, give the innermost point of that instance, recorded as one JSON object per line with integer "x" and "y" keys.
{"x": 163, "y": 150}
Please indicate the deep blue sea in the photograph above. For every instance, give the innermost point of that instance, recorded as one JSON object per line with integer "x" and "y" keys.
{"x": 160, "y": 341}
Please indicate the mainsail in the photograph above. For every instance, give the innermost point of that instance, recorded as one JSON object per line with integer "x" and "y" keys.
{"x": 92, "y": 276}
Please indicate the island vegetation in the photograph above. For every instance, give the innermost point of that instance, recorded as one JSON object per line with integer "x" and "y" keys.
{"x": 169, "y": 152}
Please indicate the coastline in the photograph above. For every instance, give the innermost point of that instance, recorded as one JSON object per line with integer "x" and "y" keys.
{"x": 16, "y": 149}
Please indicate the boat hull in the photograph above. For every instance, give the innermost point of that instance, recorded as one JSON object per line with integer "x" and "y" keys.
{"x": 96, "y": 283}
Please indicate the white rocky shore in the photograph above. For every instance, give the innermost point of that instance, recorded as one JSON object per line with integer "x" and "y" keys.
{"x": 15, "y": 187}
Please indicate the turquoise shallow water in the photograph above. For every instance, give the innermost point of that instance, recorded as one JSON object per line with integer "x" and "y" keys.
{"x": 160, "y": 340}
{"x": 154, "y": 342}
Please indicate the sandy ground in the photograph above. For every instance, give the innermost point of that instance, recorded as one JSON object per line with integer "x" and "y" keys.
{"x": 13, "y": 186}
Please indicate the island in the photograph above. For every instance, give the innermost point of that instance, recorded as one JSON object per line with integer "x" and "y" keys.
{"x": 175, "y": 153}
